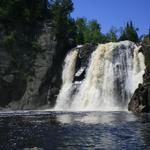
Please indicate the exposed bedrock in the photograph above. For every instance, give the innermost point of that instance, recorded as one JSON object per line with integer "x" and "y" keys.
{"x": 140, "y": 101}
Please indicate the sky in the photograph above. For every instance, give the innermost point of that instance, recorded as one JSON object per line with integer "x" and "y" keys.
{"x": 115, "y": 13}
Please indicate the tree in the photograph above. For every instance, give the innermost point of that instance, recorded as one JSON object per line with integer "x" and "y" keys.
{"x": 64, "y": 25}
{"x": 88, "y": 31}
{"x": 93, "y": 33}
{"x": 111, "y": 36}
{"x": 146, "y": 38}
{"x": 23, "y": 11}
{"x": 21, "y": 22}
{"x": 129, "y": 33}
{"x": 81, "y": 26}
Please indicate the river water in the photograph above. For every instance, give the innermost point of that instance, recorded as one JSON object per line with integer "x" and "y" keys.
{"x": 74, "y": 130}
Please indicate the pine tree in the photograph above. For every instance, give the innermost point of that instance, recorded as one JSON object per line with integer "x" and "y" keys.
{"x": 111, "y": 36}
{"x": 129, "y": 33}
{"x": 64, "y": 25}
{"x": 94, "y": 33}
{"x": 81, "y": 25}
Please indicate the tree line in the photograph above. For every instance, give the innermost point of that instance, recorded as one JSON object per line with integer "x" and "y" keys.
{"x": 31, "y": 13}
{"x": 81, "y": 31}
{"x": 20, "y": 21}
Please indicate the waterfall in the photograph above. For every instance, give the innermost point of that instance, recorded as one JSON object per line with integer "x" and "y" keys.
{"x": 64, "y": 96}
{"x": 113, "y": 73}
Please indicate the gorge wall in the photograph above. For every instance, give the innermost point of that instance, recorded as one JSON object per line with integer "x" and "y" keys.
{"x": 47, "y": 90}
{"x": 34, "y": 39}
{"x": 37, "y": 90}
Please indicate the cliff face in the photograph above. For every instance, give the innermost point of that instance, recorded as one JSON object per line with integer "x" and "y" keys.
{"x": 140, "y": 101}
{"x": 12, "y": 83}
{"x": 40, "y": 90}
{"x": 18, "y": 91}
{"x": 32, "y": 98}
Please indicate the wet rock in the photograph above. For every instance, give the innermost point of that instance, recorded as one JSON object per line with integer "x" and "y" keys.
{"x": 140, "y": 101}
{"x": 85, "y": 52}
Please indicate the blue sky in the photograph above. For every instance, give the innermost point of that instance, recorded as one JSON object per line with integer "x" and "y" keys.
{"x": 115, "y": 12}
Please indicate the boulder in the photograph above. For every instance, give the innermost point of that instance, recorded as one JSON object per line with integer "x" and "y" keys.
{"x": 140, "y": 101}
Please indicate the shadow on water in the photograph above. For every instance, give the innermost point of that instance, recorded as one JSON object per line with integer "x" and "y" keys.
{"x": 145, "y": 127}
{"x": 74, "y": 130}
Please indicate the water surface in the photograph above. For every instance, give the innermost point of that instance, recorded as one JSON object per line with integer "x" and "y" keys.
{"x": 74, "y": 130}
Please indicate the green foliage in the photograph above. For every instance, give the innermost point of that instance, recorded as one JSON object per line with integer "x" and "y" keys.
{"x": 129, "y": 33}
{"x": 81, "y": 29}
{"x": 22, "y": 20}
{"x": 23, "y": 11}
{"x": 111, "y": 36}
{"x": 65, "y": 29}
{"x": 93, "y": 32}
{"x": 88, "y": 31}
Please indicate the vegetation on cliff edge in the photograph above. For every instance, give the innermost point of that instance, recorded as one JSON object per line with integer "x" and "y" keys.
{"x": 21, "y": 22}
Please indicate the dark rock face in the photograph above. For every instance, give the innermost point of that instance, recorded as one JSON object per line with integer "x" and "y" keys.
{"x": 84, "y": 54}
{"x": 20, "y": 92}
{"x": 140, "y": 101}
{"x": 12, "y": 88}
{"x": 12, "y": 84}
{"x": 33, "y": 98}
{"x": 40, "y": 90}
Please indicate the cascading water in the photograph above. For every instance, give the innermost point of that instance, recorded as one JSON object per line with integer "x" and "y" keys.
{"x": 63, "y": 99}
{"x": 113, "y": 73}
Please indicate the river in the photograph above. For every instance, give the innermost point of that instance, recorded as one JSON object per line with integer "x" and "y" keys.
{"x": 51, "y": 130}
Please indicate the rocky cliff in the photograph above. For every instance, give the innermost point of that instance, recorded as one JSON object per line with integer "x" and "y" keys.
{"x": 32, "y": 98}
{"x": 38, "y": 90}
{"x": 140, "y": 101}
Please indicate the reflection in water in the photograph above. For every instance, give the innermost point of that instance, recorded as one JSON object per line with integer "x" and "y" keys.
{"x": 65, "y": 118}
{"x": 74, "y": 131}
{"x": 106, "y": 132}
{"x": 96, "y": 118}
